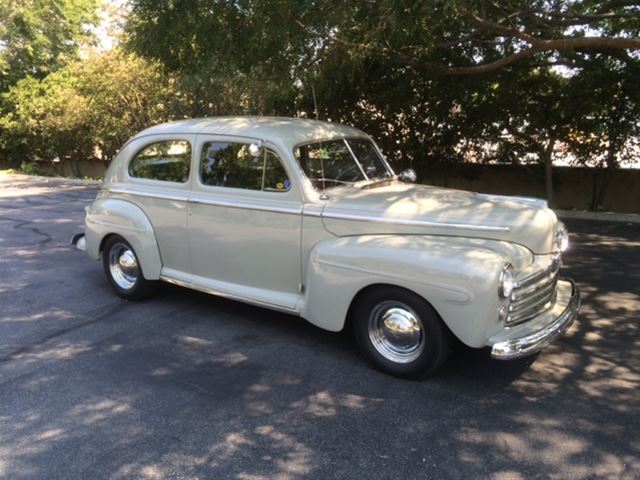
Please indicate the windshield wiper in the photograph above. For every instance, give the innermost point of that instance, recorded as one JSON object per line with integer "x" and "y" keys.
{"x": 376, "y": 183}
{"x": 321, "y": 179}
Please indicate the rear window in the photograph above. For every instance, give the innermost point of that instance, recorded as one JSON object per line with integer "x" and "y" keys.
{"x": 167, "y": 161}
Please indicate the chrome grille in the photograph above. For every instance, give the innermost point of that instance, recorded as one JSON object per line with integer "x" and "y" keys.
{"x": 534, "y": 294}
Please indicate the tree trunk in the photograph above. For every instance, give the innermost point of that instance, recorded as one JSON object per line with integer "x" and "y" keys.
{"x": 606, "y": 177}
{"x": 548, "y": 169}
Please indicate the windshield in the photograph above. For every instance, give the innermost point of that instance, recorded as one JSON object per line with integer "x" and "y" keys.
{"x": 339, "y": 162}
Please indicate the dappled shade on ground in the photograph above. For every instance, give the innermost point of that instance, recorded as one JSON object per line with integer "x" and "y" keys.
{"x": 191, "y": 386}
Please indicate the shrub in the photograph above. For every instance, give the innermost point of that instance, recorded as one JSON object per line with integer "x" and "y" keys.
{"x": 86, "y": 109}
{"x": 31, "y": 168}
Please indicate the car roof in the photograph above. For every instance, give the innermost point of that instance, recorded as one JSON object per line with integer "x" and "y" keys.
{"x": 280, "y": 130}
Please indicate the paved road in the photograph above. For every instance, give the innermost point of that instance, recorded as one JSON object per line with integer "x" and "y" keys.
{"x": 195, "y": 387}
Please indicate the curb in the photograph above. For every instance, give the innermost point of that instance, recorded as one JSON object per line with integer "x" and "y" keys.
{"x": 77, "y": 181}
{"x": 599, "y": 216}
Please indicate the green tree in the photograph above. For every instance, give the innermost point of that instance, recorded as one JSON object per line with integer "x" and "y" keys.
{"x": 86, "y": 109}
{"x": 605, "y": 134}
{"x": 231, "y": 57}
{"x": 39, "y": 36}
{"x": 434, "y": 82}
{"x": 412, "y": 73}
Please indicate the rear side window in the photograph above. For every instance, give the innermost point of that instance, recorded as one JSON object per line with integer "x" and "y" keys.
{"x": 168, "y": 161}
{"x": 227, "y": 164}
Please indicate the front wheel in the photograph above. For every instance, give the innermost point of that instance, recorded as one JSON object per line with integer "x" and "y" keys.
{"x": 123, "y": 270}
{"x": 400, "y": 333}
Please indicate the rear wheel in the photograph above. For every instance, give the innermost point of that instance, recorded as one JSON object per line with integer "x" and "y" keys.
{"x": 399, "y": 332}
{"x": 123, "y": 270}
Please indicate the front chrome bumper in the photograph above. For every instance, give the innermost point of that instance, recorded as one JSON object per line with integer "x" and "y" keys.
{"x": 532, "y": 336}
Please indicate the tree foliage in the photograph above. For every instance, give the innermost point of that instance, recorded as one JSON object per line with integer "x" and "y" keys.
{"x": 39, "y": 36}
{"x": 435, "y": 83}
{"x": 87, "y": 109}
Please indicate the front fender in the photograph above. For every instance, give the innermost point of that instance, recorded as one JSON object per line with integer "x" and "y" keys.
{"x": 457, "y": 276}
{"x": 108, "y": 216}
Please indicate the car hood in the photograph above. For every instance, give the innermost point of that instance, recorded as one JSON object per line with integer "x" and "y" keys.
{"x": 427, "y": 210}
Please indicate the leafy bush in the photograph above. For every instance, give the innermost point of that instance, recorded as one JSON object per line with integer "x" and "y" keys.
{"x": 31, "y": 168}
{"x": 85, "y": 110}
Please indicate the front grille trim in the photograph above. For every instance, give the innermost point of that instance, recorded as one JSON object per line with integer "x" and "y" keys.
{"x": 534, "y": 294}
{"x": 545, "y": 291}
{"x": 553, "y": 267}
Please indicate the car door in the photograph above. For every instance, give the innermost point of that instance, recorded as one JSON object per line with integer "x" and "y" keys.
{"x": 244, "y": 220}
{"x": 157, "y": 180}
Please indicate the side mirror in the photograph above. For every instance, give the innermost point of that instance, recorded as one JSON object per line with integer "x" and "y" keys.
{"x": 408, "y": 176}
{"x": 256, "y": 149}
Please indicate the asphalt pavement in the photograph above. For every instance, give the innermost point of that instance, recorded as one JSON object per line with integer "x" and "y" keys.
{"x": 190, "y": 386}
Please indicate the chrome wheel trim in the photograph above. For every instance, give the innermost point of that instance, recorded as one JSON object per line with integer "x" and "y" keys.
{"x": 123, "y": 266}
{"x": 396, "y": 332}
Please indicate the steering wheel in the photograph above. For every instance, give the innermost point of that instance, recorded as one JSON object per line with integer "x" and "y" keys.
{"x": 351, "y": 170}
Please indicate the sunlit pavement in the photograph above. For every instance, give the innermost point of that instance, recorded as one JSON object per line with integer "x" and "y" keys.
{"x": 191, "y": 386}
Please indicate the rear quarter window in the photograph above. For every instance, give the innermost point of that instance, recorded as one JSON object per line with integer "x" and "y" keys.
{"x": 167, "y": 161}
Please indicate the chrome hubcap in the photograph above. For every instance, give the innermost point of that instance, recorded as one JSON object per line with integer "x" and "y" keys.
{"x": 396, "y": 332}
{"x": 123, "y": 266}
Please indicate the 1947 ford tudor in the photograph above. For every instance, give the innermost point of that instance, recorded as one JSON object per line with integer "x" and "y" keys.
{"x": 307, "y": 217}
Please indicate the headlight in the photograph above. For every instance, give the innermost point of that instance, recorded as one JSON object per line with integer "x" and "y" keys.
{"x": 562, "y": 237}
{"x": 507, "y": 281}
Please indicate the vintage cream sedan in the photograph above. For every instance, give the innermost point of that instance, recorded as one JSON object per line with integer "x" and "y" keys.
{"x": 307, "y": 217}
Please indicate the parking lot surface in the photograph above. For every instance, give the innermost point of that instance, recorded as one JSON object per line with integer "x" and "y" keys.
{"x": 190, "y": 386}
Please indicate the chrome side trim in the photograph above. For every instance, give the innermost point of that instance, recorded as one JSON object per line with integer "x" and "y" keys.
{"x": 230, "y": 296}
{"x": 415, "y": 223}
{"x": 208, "y": 201}
{"x": 204, "y": 200}
{"x": 142, "y": 193}
{"x": 298, "y": 211}
{"x": 534, "y": 342}
{"x": 308, "y": 213}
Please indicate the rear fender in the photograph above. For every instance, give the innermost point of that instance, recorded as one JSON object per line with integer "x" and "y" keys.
{"x": 108, "y": 216}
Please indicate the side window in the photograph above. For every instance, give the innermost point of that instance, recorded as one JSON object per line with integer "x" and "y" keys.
{"x": 275, "y": 177}
{"x": 168, "y": 161}
{"x": 226, "y": 164}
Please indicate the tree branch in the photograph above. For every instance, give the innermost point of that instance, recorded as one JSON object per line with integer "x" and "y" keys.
{"x": 485, "y": 24}
{"x": 537, "y": 45}
{"x": 617, "y": 3}
{"x": 565, "y": 44}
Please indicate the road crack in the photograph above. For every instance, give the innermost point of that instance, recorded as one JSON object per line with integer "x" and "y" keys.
{"x": 22, "y": 225}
